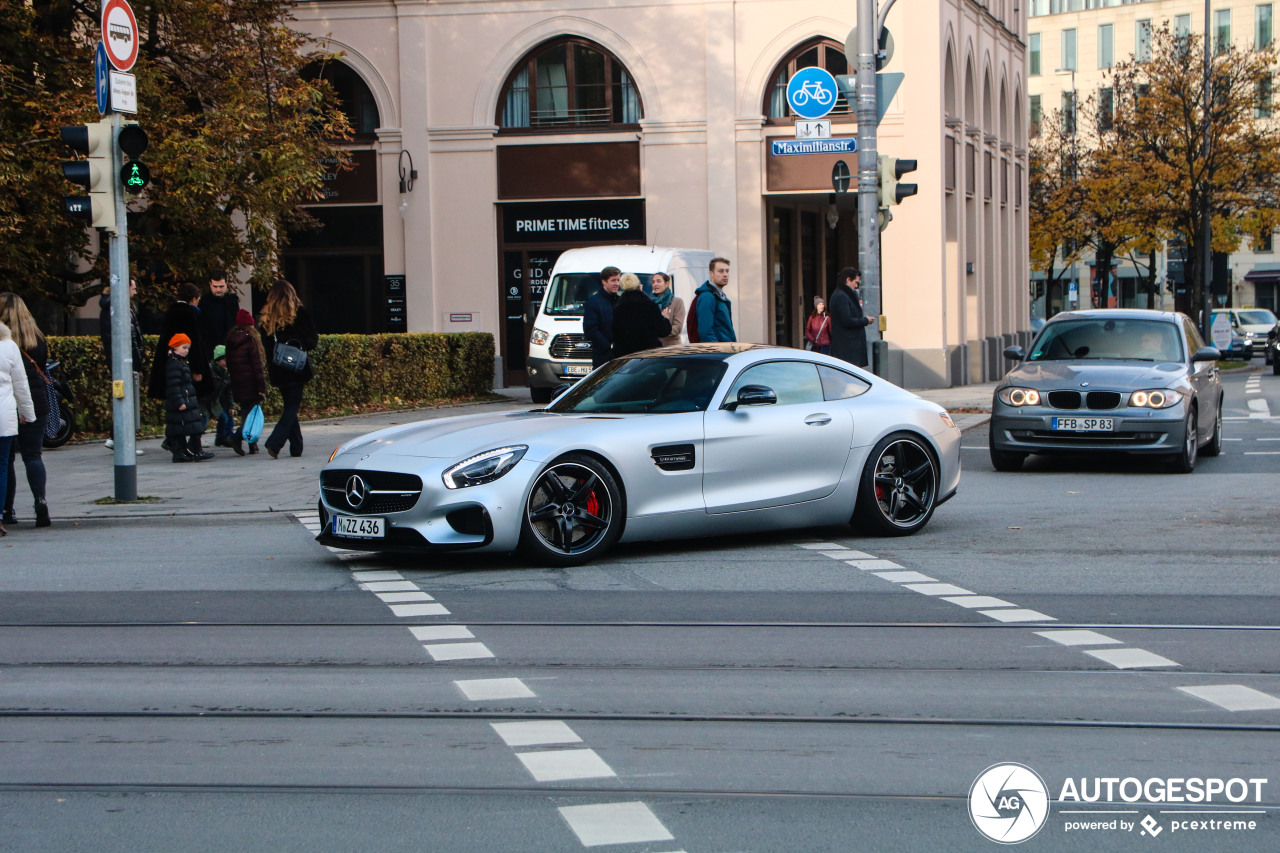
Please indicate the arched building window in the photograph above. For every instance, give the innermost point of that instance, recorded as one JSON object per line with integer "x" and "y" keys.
{"x": 820, "y": 53}
{"x": 569, "y": 83}
{"x": 357, "y": 100}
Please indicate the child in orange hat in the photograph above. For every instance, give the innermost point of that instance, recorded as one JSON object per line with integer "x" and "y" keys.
{"x": 184, "y": 422}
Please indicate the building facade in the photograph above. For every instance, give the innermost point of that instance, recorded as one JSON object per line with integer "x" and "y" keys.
{"x": 495, "y": 134}
{"x": 1071, "y": 44}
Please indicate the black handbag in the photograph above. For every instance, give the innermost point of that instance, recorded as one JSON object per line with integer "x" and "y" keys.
{"x": 288, "y": 357}
{"x": 52, "y": 420}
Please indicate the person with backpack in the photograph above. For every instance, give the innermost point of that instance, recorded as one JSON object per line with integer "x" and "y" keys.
{"x": 711, "y": 317}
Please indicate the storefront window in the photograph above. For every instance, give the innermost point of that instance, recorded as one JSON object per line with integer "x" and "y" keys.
{"x": 571, "y": 84}
{"x": 821, "y": 53}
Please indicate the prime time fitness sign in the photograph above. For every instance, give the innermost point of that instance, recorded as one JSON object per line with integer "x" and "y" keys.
{"x": 574, "y": 222}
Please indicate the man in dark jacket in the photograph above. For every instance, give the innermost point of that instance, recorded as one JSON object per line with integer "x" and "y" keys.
{"x": 183, "y": 316}
{"x": 139, "y": 348}
{"x": 218, "y": 311}
{"x": 597, "y": 316}
{"x": 848, "y": 322}
{"x": 714, "y": 310}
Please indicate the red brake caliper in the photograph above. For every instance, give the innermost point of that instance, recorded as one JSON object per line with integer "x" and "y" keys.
{"x": 593, "y": 503}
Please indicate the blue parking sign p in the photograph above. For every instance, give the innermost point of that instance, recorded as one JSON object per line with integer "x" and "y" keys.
{"x": 812, "y": 92}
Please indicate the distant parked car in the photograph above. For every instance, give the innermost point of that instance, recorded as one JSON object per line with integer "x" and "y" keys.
{"x": 1110, "y": 380}
{"x": 1252, "y": 325}
{"x": 1272, "y": 348}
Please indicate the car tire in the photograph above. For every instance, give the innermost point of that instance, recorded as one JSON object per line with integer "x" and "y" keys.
{"x": 898, "y": 490}
{"x": 542, "y": 396}
{"x": 574, "y": 512}
{"x": 1213, "y": 447}
{"x": 1004, "y": 460}
{"x": 1184, "y": 461}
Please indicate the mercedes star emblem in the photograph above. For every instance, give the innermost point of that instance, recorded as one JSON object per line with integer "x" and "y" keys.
{"x": 356, "y": 491}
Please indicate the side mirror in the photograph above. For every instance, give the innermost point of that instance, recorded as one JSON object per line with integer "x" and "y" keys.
{"x": 1206, "y": 354}
{"x": 558, "y": 390}
{"x": 1014, "y": 353}
{"x": 753, "y": 395}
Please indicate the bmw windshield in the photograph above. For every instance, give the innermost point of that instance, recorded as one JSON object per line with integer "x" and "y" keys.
{"x": 632, "y": 386}
{"x": 1110, "y": 338}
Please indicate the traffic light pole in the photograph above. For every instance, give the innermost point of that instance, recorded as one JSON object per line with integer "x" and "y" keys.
{"x": 124, "y": 391}
{"x": 868, "y": 173}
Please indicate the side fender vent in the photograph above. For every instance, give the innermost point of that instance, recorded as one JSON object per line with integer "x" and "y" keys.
{"x": 673, "y": 457}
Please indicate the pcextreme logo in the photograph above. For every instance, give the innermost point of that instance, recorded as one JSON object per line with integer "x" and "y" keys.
{"x": 1008, "y": 803}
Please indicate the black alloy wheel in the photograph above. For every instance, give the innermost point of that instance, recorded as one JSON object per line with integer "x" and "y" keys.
{"x": 574, "y": 512}
{"x": 899, "y": 487}
{"x": 1184, "y": 461}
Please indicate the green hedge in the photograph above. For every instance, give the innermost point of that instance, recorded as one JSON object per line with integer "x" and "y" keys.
{"x": 351, "y": 371}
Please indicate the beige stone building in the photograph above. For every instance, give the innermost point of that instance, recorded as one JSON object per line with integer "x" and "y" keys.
{"x": 1070, "y": 46}
{"x": 660, "y": 114}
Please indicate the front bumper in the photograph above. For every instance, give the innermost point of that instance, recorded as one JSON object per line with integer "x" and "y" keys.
{"x": 1028, "y": 429}
{"x": 552, "y": 373}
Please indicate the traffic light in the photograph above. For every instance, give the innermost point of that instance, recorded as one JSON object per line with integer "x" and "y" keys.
{"x": 891, "y": 168}
{"x": 134, "y": 174}
{"x": 93, "y": 173}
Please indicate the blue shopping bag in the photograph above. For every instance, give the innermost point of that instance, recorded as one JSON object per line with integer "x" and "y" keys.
{"x": 253, "y": 424}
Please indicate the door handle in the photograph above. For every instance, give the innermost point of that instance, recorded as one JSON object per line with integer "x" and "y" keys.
{"x": 817, "y": 420}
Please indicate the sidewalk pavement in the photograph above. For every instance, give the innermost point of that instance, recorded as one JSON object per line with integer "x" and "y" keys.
{"x": 81, "y": 477}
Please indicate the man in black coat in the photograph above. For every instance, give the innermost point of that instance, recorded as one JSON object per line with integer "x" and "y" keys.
{"x": 848, "y": 322}
{"x": 597, "y": 316}
{"x": 183, "y": 316}
{"x": 218, "y": 312}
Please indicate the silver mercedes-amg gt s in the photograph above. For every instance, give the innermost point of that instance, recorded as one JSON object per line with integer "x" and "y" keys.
{"x": 696, "y": 440}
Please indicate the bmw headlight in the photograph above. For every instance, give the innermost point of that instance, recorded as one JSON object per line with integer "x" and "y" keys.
{"x": 483, "y": 467}
{"x": 1014, "y": 396}
{"x": 1156, "y": 398}
{"x": 539, "y": 337}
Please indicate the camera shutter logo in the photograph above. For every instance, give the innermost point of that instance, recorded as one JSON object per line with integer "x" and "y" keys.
{"x": 1008, "y": 803}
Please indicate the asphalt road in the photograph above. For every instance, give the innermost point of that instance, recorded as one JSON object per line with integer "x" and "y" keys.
{"x": 222, "y": 682}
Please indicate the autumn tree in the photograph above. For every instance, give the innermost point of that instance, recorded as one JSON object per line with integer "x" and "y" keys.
{"x": 237, "y": 136}
{"x": 1059, "y": 229}
{"x": 1153, "y": 169}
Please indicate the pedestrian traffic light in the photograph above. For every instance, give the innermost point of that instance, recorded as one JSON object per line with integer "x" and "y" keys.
{"x": 134, "y": 174}
{"x": 94, "y": 173}
{"x": 891, "y": 191}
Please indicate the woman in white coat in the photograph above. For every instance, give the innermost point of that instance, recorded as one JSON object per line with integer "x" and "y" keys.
{"x": 15, "y": 402}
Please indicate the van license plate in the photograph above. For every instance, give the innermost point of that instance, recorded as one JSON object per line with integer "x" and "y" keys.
{"x": 359, "y": 528}
{"x": 577, "y": 369}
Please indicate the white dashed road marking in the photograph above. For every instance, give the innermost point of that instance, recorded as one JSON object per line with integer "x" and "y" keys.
{"x": 1018, "y": 614}
{"x": 936, "y": 589}
{"x": 1078, "y": 638}
{"x": 614, "y": 823}
{"x": 561, "y": 764}
{"x": 1130, "y": 658}
{"x": 458, "y": 651}
{"x": 389, "y": 586}
{"x": 972, "y": 601}
{"x": 403, "y": 610}
{"x": 484, "y": 689}
{"x": 903, "y": 577}
{"x": 535, "y": 733}
{"x": 1235, "y": 697}
{"x": 442, "y": 632}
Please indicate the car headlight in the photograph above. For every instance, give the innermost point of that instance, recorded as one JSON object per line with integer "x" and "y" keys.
{"x": 539, "y": 337}
{"x": 1014, "y": 396}
{"x": 1156, "y": 398}
{"x": 483, "y": 467}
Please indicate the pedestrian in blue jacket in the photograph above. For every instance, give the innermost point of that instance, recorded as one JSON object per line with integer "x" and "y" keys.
{"x": 715, "y": 316}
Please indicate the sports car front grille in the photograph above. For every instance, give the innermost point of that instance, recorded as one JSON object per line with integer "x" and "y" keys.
{"x": 386, "y": 491}
{"x": 1093, "y": 400}
{"x": 570, "y": 346}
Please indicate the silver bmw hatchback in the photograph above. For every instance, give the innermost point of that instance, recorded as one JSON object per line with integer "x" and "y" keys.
{"x": 1110, "y": 380}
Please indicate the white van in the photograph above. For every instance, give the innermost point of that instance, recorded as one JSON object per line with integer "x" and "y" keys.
{"x": 559, "y": 352}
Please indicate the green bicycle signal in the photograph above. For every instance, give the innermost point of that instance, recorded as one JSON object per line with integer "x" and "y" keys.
{"x": 134, "y": 176}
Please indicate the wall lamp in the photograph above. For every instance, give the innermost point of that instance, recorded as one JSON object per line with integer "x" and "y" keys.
{"x": 409, "y": 175}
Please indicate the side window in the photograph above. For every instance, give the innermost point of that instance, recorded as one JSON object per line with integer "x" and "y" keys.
{"x": 1194, "y": 341}
{"x": 838, "y": 385}
{"x": 793, "y": 381}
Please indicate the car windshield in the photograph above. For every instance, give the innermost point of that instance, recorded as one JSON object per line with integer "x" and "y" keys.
{"x": 1259, "y": 317}
{"x": 569, "y": 291}
{"x": 645, "y": 386}
{"x": 1108, "y": 338}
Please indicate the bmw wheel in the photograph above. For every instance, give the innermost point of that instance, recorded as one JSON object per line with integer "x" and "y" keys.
{"x": 899, "y": 487}
{"x": 1184, "y": 461}
{"x": 573, "y": 514}
{"x": 1213, "y": 446}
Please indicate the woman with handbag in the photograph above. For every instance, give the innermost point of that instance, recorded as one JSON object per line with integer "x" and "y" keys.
{"x": 288, "y": 336}
{"x": 30, "y": 435}
{"x": 246, "y": 362}
{"x": 817, "y": 329}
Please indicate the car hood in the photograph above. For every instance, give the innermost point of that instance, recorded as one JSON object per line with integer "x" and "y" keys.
{"x": 1102, "y": 374}
{"x": 459, "y": 437}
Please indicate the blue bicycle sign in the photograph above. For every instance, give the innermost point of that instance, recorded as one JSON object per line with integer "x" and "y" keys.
{"x": 812, "y": 92}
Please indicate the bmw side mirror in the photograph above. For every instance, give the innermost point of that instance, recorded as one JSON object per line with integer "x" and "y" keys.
{"x": 1014, "y": 353}
{"x": 1206, "y": 354}
{"x": 753, "y": 395}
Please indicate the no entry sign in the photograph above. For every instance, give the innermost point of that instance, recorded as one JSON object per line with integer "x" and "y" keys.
{"x": 120, "y": 34}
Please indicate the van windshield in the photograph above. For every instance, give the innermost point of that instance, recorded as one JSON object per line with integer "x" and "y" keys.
{"x": 569, "y": 291}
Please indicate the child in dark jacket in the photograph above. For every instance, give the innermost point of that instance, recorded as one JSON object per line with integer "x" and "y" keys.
{"x": 220, "y": 406}
{"x": 246, "y": 362}
{"x": 184, "y": 422}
